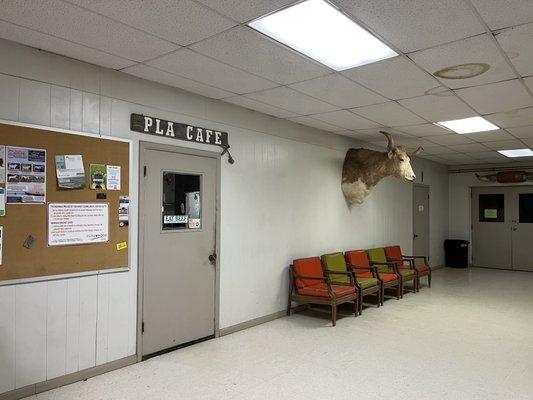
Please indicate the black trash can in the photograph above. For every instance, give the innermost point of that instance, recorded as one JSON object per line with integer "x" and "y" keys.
{"x": 456, "y": 253}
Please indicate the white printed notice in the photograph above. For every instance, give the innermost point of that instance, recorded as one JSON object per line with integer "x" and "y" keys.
{"x": 77, "y": 223}
{"x": 113, "y": 177}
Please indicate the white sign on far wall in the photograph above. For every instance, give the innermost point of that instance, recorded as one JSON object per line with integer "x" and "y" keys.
{"x": 77, "y": 223}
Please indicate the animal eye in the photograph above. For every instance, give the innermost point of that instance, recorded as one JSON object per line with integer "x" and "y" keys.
{"x": 402, "y": 159}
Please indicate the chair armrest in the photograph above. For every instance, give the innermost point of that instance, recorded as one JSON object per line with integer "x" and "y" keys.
{"x": 370, "y": 268}
{"x": 390, "y": 264}
{"x": 347, "y": 273}
{"x": 423, "y": 257}
{"x": 411, "y": 261}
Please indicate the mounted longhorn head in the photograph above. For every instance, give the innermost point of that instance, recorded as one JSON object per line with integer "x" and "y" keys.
{"x": 364, "y": 168}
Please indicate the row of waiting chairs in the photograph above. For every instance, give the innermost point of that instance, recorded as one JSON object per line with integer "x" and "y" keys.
{"x": 338, "y": 278}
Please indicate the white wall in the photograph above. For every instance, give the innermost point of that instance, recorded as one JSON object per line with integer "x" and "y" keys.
{"x": 280, "y": 200}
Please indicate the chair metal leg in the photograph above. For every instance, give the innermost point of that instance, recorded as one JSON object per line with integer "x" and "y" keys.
{"x": 429, "y": 279}
{"x": 334, "y": 313}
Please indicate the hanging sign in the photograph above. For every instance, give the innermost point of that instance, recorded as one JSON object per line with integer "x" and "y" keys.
{"x": 175, "y": 130}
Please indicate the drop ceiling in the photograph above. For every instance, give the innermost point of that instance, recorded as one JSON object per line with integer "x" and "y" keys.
{"x": 205, "y": 47}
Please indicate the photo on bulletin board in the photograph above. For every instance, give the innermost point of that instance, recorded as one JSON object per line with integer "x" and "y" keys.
{"x": 2, "y": 164}
{"x": 25, "y": 175}
{"x": 98, "y": 173}
{"x": 69, "y": 171}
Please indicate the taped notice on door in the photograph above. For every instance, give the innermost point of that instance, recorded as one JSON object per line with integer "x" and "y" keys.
{"x": 77, "y": 223}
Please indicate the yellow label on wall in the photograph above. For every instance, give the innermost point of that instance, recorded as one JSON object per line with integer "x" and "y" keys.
{"x": 122, "y": 246}
{"x": 491, "y": 213}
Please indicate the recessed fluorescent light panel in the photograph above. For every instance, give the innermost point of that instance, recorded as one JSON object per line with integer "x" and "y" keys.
{"x": 468, "y": 125}
{"x": 320, "y": 31}
{"x": 516, "y": 153}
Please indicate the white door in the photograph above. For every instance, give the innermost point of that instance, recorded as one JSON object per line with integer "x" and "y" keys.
{"x": 502, "y": 227}
{"x": 421, "y": 220}
{"x": 178, "y": 247}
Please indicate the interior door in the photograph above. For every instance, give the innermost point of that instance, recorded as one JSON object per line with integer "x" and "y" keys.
{"x": 522, "y": 227}
{"x": 491, "y": 227}
{"x": 179, "y": 244}
{"x": 421, "y": 220}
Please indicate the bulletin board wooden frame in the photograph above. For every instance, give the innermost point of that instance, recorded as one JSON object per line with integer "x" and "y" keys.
{"x": 42, "y": 261}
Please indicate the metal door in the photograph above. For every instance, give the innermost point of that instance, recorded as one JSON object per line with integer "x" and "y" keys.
{"x": 491, "y": 227}
{"x": 421, "y": 220}
{"x": 521, "y": 202}
{"x": 178, "y": 249}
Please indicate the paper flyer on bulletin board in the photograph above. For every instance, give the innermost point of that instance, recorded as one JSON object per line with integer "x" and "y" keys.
{"x": 26, "y": 175}
{"x": 2, "y": 164}
{"x": 77, "y": 223}
{"x": 1, "y": 241}
{"x": 70, "y": 172}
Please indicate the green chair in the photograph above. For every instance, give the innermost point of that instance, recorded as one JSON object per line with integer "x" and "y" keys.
{"x": 378, "y": 258}
{"x": 336, "y": 270}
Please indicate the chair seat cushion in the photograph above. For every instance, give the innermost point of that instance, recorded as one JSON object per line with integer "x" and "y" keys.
{"x": 321, "y": 290}
{"x": 422, "y": 268}
{"x": 407, "y": 273}
{"x": 366, "y": 283}
{"x": 388, "y": 277}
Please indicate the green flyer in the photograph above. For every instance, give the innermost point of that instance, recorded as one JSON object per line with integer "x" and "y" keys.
{"x": 98, "y": 176}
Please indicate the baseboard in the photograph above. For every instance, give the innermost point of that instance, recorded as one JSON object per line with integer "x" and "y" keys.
{"x": 258, "y": 321}
{"x": 40, "y": 387}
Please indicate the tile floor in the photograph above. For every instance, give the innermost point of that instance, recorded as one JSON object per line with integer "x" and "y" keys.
{"x": 469, "y": 337}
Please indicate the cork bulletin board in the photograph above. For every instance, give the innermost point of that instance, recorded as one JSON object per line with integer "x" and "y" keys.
{"x": 23, "y": 220}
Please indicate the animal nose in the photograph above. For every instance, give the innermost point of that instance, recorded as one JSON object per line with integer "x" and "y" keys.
{"x": 413, "y": 177}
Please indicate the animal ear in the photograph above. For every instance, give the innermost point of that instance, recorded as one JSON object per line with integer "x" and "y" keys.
{"x": 417, "y": 151}
{"x": 391, "y": 153}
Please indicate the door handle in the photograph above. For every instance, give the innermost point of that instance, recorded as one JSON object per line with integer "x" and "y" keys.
{"x": 415, "y": 235}
{"x": 213, "y": 258}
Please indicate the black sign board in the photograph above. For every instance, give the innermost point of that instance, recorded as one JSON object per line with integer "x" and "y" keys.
{"x": 174, "y": 130}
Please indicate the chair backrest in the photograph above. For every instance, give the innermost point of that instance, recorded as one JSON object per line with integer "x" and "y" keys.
{"x": 310, "y": 266}
{"x": 378, "y": 255}
{"x": 336, "y": 262}
{"x": 394, "y": 253}
{"x": 357, "y": 257}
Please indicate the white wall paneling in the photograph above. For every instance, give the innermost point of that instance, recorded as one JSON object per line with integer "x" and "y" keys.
{"x": 280, "y": 200}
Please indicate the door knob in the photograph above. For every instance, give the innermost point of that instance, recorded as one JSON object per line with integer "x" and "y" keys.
{"x": 415, "y": 235}
{"x": 213, "y": 258}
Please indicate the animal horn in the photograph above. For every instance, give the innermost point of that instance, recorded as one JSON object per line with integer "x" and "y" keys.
{"x": 417, "y": 151}
{"x": 390, "y": 145}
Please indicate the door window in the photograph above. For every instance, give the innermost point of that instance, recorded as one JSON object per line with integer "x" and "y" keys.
{"x": 182, "y": 206}
{"x": 525, "y": 206}
{"x": 491, "y": 207}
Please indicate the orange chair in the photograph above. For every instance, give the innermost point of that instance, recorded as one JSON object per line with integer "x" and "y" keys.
{"x": 394, "y": 253}
{"x": 307, "y": 284}
{"x": 359, "y": 263}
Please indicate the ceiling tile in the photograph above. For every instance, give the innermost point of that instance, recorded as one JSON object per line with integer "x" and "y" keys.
{"x": 72, "y": 23}
{"x": 449, "y": 140}
{"x": 355, "y": 135}
{"x": 482, "y": 155}
{"x": 509, "y": 119}
{"x": 468, "y": 148}
{"x": 194, "y": 66}
{"x": 258, "y": 106}
{"x": 376, "y": 132}
{"x": 246, "y": 10}
{"x": 389, "y": 114}
{"x": 395, "y": 78}
{"x": 529, "y": 83}
{"x": 522, "y": 131}
{"x": 56, "y": 45}
{"x": 438, "y": 108}
{"x": 501, "y": 14}
{"x": 529, "y": 142}
{"x": 178, "y": 21}
{"x": 346, "y": 119}
{"x": 433, "y": 158}
{"x": 413, "y": 25}
{"x": 477, "y": 49}
{"x": 291, "y": 100}
{"x": 506, "y": 145}
{"x": 496, "y": 97}
{"x": 247, "y": 49}
{"x": 423, "y": 130}
{"x": 338, "y": 90}
{"x": 495, "y": 158}
{"x": 156, "y": 75}
{"x": 458, "y": 158}
{"x": 516, "y": 42}
{"x": 315, "y": 123}
{"x": 490, "y": 136}
{"x": 438, "y": 150}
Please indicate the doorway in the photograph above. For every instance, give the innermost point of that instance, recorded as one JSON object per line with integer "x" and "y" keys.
{"x": 421, "y": 220}
{"x": 502, "y": 227}
{"x": 178, "y": 194}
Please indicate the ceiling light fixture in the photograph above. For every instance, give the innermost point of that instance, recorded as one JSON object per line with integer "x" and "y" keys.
{"x": 516, "y": 153}
{"x": 320, "y": 31}
{"x": 468, "y": 125}
{"x": 462, "y": 71}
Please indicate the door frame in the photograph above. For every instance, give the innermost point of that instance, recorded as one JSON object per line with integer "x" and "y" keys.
{"x": 424, "y": 185}
{"x": 143, "y": 145}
